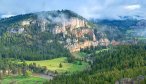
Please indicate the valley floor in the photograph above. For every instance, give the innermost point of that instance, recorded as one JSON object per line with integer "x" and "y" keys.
{"x": 22, "y": 80}
{"x": 53, "y": 65}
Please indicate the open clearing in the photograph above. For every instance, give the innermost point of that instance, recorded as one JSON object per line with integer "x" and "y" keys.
{"x": 22, "y": 80}
{"x": 53, "y": 65}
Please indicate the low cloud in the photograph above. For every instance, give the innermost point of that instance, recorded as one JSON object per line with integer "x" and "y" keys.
{"x": 6, "y": 16}
{"x": 87, "y": 8}
{"x": 133, "y": 7}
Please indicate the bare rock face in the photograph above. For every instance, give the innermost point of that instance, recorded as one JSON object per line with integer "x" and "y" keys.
{"x": 70, "y": 25}
{"x": 79, "y": 28}
{"x": 42, "y": 23}
{"x": 76, "y": 23}
{"x": 25, "y": 23}
{"x": 82, "y": 32}
{"x": 77, "y": 46}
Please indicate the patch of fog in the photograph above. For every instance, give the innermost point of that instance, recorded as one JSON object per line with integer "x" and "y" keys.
{"x": 7, "y": 16}
{"x": 53, "y": 18}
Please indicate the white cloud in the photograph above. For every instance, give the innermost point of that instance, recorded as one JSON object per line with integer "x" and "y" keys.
{"x": 90, "y": 11}
{"x": 6, "y": 16}
{"x": 86, "y": 8}
{"x": 133, "y": 7}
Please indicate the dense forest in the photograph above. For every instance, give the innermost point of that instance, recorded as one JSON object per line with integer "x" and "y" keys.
{"x": 24, "y": 47}
{"x": 125, "y": 61}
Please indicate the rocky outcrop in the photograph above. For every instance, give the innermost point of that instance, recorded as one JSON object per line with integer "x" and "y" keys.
{"x": 79, "y": 29}
{"x": 76, "y": 23}
{"x": 82, "y": 32}
{"x": 42, "y": 23}
{"x": 25, "y": 23}
{"x": 77, "y": 46}
{"x": 81, "y": 45}
{"x": 70, "y": 25}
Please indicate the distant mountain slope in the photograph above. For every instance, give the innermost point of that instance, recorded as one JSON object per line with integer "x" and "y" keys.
{"x": 126, "y": 29}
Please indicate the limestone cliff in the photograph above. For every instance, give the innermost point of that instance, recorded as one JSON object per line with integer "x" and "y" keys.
{"x": 67, "y": 28}
{"x": 70, "y": 25}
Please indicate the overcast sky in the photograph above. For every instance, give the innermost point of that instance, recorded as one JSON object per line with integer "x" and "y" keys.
{"x": 86, "y": 8}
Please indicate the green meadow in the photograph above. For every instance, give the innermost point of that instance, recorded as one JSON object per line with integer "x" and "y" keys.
{"x": 53, "y": 65}
{"x": 22, "y": 80}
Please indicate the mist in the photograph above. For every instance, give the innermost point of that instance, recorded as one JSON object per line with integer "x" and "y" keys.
{"x": 100, "y": 9}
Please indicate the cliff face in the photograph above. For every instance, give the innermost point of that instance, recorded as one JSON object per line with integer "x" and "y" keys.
{"x": 77, "y": 46}
{"x": 25, "y": 23}
{"x": 76, "y": 23}
{"x": 76, "y": 31}
{"x": 70, "y": 25}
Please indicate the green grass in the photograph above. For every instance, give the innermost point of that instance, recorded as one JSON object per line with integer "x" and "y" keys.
{"x": 22, "y": 80}
{"x": 54, "y": 65}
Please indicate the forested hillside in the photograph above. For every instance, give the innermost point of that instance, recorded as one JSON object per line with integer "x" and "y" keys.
{"x": 114, "y": 64}
{"x": 126, "y": 30}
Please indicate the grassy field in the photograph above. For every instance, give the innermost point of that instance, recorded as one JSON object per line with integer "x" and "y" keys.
{"x": 22, "y": 80}
{"x": 54, "y": 65}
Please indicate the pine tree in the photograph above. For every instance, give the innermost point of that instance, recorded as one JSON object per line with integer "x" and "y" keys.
{"x": 60, "y": 65}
